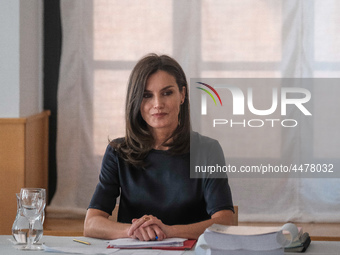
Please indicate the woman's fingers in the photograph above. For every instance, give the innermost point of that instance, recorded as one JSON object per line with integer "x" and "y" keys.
{"x": 137, "y": 223}
{"x": 147, "y": 228}
{"x": 158, "y": 226}
{"x": 138, "y": 235}
{"x": 151, "y": 234}
{"x": 152, "y": 221}
{"x": 145, "y": 234}
{"x": 159, "y": 233}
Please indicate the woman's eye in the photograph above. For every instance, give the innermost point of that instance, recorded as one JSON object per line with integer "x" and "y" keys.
{"x": 147, "y": 95}
{"x": 167, "y": 93}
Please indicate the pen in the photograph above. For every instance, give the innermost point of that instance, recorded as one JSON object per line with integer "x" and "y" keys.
{"x": 83, "y": 242}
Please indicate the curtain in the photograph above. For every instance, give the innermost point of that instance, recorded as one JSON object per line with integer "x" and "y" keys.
{"x": 102, "y": 41}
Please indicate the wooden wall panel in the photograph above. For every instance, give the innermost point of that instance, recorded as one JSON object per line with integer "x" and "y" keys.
{"x": 23, "y": 161}
{"x": 36, "y": 145}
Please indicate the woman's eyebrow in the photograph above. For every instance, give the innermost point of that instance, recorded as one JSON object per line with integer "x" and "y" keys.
{"x": 168, "y": 87}
{"x": 165, "y": 88}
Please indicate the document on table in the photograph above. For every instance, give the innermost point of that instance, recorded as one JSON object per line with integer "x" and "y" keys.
{"x": 154, "y": 252}
{"x": 89, "y": 249}
{"x": 134, "y": 243}
{"x": 100, "y": 250}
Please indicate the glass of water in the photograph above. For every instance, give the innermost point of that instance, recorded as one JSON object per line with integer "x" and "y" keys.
{"x": 33, "y": 202}
{"x": 20, "y": 225}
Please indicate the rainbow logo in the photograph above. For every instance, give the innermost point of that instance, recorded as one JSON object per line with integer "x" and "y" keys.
{"x": 212, "y": 89}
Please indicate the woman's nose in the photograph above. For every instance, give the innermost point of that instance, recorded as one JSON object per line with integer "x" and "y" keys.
{"x": 158, "y": 102}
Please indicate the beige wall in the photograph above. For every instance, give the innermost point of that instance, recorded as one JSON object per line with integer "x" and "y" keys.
{"x": 21, "y": 58}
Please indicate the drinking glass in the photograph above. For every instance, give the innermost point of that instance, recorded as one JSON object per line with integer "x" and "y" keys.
{"x": 33, "y": 202}
{"x": 20, "y": 225}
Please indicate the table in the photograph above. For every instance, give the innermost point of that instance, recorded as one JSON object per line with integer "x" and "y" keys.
{"x": 7, "y": 246}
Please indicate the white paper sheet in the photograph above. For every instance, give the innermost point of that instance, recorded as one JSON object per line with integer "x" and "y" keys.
{"x": 134, "y": 243}
{"x": 88, "y": 249}
{"x": 156, "y": 252}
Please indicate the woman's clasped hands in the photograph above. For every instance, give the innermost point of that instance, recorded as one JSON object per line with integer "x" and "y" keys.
{"x": 147, "y": 228}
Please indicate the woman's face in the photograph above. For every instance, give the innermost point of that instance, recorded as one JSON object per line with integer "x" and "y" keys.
{"x": 161, "y": 102}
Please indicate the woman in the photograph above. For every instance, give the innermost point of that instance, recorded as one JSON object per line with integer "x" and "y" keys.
{"x": 149, "y": 167}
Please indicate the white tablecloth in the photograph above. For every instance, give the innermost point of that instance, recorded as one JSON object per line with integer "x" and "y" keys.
{"x": 7, "y": 247}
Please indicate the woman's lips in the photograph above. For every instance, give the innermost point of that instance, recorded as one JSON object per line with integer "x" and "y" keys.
{"x": 158, "y": 115}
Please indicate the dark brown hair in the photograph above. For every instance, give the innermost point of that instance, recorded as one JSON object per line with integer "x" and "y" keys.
{"x": 138, "y": 140}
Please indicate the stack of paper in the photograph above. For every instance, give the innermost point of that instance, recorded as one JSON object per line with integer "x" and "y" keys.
{"x": 243, "y": 240}
{"x": 167, "y": 244}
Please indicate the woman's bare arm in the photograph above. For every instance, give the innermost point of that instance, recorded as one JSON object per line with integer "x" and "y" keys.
{"x": 98, "y": 225}
{"x": 193, "y": 231}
